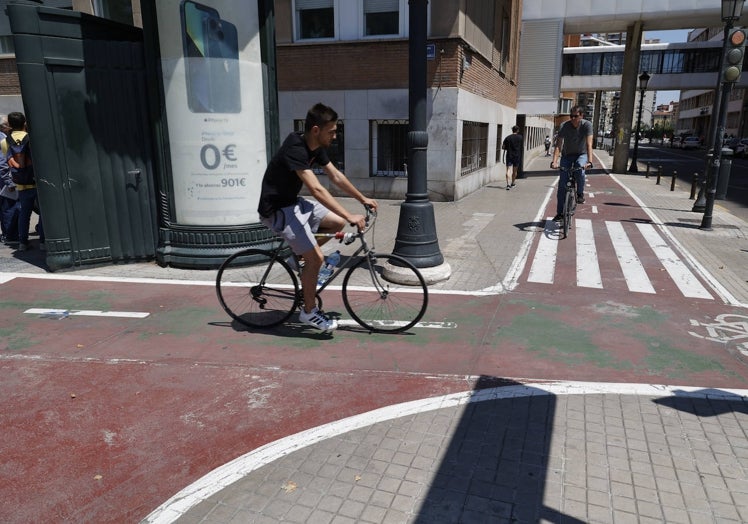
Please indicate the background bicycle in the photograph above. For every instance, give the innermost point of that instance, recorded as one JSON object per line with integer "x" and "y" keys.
{"x": 381, "y": 292}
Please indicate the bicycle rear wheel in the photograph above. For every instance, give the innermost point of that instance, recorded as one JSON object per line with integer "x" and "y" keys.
{"x": 569, "y": 205}
{"x": 257, "y": 289}
{"x": 379, "y": 304}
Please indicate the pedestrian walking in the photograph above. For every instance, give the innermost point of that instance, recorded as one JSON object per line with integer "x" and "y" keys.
{"x": 513, "y": 146}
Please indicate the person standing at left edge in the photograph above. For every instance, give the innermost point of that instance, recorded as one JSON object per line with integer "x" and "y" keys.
{"x": 16, "y": 149}
{"x": 513, "y": 146}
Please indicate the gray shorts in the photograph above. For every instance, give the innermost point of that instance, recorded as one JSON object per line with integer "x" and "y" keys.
{"x": 297, "y": 224}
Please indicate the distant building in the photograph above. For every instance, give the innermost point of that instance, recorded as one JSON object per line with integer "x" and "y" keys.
{"x": 695, "y": 110}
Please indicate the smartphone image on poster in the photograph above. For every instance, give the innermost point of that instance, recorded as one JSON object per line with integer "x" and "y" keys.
{"x": 211, "y": 53}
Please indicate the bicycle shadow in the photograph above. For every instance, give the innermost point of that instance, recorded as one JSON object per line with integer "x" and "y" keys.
{"x": 295, "y": 329}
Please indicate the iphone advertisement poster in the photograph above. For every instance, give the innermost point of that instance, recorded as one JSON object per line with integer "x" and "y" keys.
{"x": 212, "y": 74}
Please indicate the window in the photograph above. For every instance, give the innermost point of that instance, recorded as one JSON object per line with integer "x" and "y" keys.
{"x": 389, "y": 147}
{"x": 499, "y": 141}
{"x": 336, "y": 151}
{"x": 6, "y": 45}
{"x": 381, "y": 17}
{"x": 505, "y": 41}
{"x": 117, "y": 10}
{"x": 474, "y": 146}
{"x": 315, "y": 19}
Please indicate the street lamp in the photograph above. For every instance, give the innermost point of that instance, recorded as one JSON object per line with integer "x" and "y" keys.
{"x": 729, "y": 72}
{"x": 614, "y": 123}
{"x": 643, "y": 81}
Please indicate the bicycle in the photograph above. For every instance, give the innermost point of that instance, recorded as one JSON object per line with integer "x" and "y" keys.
{"x": 258, "y": 288}
{"x": 570, "y": 198}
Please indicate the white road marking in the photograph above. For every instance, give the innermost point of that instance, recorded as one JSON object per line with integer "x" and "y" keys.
{"x": 722, "y": 292}
{"x": 633, "y": 270}
{"x": 64, "y": 313}
{"x": 511, "y": 280}
{"x": 544, "y": 263}
{"x": 390, "y": 323}
{"x": 588, "y": 268}
{"x": 458, "y": 247}
{"x": 683, "y": 278}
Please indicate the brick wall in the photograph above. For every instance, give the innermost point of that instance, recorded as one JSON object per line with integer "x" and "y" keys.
{"x": 9, "y": 84}
{"x": 384, "y": 65}
{"x": 345, "y": 65}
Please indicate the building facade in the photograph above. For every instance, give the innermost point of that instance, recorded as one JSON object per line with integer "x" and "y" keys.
{"x": 353, "y": 56}
{"x": 696, "y": 105}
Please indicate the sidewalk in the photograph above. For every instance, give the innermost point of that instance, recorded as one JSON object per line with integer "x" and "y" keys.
{"x": 523, "y": 452}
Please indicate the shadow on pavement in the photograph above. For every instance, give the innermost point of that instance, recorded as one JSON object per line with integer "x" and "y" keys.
{"x": 705, "y": 402}
{"x": 496, "y": 466}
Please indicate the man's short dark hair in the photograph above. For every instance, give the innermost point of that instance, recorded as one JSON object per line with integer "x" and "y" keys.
{"x": 515, "y": 129}
{"x": 16, "y": 121}
{"x": 319, "y": 115}
{"x": 577, "y": 109}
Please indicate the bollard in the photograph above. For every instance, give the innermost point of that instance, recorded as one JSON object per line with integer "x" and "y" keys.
{"x": 647, "y": 175}
{"x": 659, "y": 174}
{"x": 694, "y": 181}
{"x": 672, "y": 181}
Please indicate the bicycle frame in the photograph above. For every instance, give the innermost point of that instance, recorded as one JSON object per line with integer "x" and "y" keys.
{"x": 364, "y": 247}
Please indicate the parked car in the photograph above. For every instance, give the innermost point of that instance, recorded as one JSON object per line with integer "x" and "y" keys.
{"x": 741, "y": 149}
{"x": 675, "y": 141}
{"x": 691, "y": 142}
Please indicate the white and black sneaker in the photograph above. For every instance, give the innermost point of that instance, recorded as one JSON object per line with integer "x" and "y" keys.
{"x": 318, "y": 320}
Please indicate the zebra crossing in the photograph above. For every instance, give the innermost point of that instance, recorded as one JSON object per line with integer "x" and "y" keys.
{"x": 586, "y": 241}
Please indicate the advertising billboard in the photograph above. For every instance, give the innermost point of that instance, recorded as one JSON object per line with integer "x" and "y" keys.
{"x": 211, "y": 69}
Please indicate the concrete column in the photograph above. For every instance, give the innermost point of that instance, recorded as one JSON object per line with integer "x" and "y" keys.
{"x": 628, "y": 96}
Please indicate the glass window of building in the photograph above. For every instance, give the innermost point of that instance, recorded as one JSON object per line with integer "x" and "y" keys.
{"x": 315, "y": 19}
{"x": 117, "y": 10}
{"x": 388, "y": 148}
{"x": 474, "y": 146}
{"x": 381, "y": 17}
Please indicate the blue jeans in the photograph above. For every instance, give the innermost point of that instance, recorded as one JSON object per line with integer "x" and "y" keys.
{"x": 9, "y": 218}
{"x": 567, "y": 161}
{"x": 26, "y": 200}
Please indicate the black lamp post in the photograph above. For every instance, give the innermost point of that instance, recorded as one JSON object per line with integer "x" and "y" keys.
{"x": 731, "y": 11}
{"x": 416, "y": 237}
{"x": 643, "y": 81}
{"x": 614, "y": 123}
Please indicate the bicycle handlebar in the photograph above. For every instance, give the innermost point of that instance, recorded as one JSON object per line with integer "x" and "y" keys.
{"x": 575, "y": 167}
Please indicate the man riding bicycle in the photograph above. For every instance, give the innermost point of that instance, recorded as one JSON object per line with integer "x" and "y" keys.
{"x": 297, "y": 219}
{"x": 574, "y": 146}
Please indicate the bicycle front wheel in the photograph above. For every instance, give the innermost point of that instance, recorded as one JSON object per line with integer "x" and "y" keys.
{"x": 377, "y": 302}
{"x": 257, "y": 289}
{"x": 569, "y": 204}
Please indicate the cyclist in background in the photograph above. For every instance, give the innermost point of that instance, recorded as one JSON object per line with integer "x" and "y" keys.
{"x": 297, "y": 219}
{"x": 573, "y": 147}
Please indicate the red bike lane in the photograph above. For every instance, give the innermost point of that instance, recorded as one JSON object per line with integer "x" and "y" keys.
{"x": 108, "y": 416}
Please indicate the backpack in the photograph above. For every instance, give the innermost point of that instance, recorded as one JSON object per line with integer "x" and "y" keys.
{"x": 19, "y": 161}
